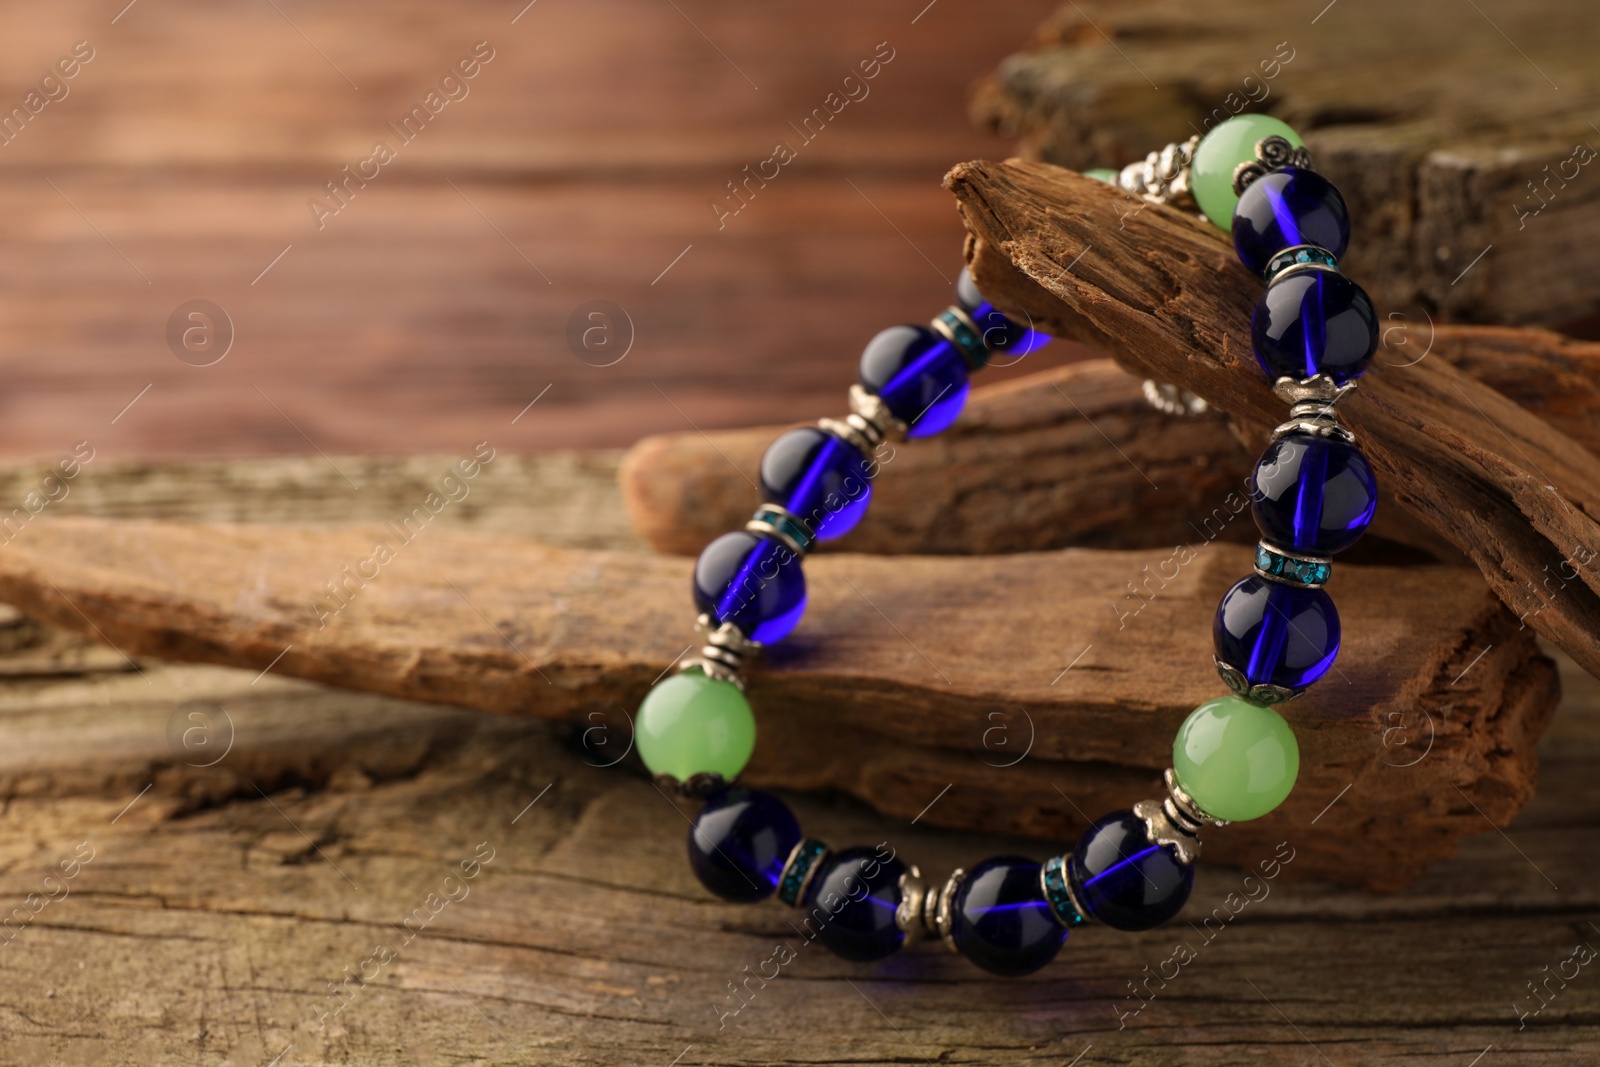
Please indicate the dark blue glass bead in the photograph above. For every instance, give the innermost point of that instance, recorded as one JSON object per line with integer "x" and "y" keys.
{"x": 1289, "y": 207}
{"x": 1276, "y": 634}
{"x": 1123, "y": 878}
{"x": 852, "y": 902}
{"x": 921, "y": 377}
{"x": 1001, "y": 920}
{"x": 739, "y": 843}
{"x": 1000, "y": 334}
{"x": 753, "y": 581}
{"x": 818, "y": 477}
{"x": 1314, "y": 322}
{"x": 1313, "y": 494}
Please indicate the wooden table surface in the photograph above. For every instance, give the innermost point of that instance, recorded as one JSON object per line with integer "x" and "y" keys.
{"x": 258, "y": 844}
{"x": 581, "y": 165}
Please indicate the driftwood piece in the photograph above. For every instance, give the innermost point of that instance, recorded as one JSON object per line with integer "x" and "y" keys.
{"x": 1036, "y": 687}
{"x": 1438, "y": 169}
{"x": 213, "y": 917}
{"x": 236, "y": 890}
{"x": 1074, "y": 456}
{"x": 1511, "y": 492}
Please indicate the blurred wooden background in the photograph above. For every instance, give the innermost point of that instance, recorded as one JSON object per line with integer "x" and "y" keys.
{"x": 424, "y": 316}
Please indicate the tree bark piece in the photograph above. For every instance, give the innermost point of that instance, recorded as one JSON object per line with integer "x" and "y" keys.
{"x": 1074, "y": 456}
{"x": 1084, "y": 661}
{"x": 1512, "y": 493}
{"x": 1436, "y": 171}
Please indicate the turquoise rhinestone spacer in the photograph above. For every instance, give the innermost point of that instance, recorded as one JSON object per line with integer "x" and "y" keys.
{"x": 786, "y": 525}
{"x": 1290, "y": 569}
{"x": 954, "y": 324}
{"x": 1053, "y": 878}
{"x": 1303, "y": 256}
{"x": 804, "y": 860}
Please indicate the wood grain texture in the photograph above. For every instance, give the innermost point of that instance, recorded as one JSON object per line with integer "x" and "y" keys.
{"x": 231, "y": 904}
{"x": 1391, "y": 100}
{"x": 1510, "y": 491}
{"x": 1074, "y": 456}
{"x": 434, "y": 307}
{"x": 916, "y": 659}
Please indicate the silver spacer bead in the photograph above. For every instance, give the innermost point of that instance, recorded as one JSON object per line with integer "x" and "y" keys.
{"x": 1318, "y": 387}
{"x": 944, "y": 910}
{"x": 908, "y": 916}
{"x": 871, "y": 409}
{"x": 1263, "y": 693}
{"x": 1313, "y": 406}
{"x": 1170, "y": 399}
{"x": 1271, "y": 153}
{"x": 724, "y": 654}
{"x": 1162, "y": 177}
{"x": 699, "y": 786}
{"x": 847, "y": 430}
{"x": 1181, "y": 807}
{"x": 1317, "y": 427}
{"x": 1163, "y": 830}
{"x": 726, "y": 636}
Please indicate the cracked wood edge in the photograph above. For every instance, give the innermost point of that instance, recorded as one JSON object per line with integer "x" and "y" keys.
{"x": 1512, "y": 493}
{"x": 909, "y": 657}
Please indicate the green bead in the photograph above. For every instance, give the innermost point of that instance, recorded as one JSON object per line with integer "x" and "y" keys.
{"x": 690, "y": 724}
{"x": 1220, "y": 152}
{"x": 1235, "y": 759}
{"x": 1102, "y": 174}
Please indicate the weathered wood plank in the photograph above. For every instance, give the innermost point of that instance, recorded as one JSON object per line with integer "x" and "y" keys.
{"x": 425, "y": 315}
{"x": 917, "y": 659}
{"x": 215, "y": 918}
{"x": 1074, "y": 456}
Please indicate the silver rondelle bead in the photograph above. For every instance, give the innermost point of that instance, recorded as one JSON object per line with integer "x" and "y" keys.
{"x": 944, "y": 915}
{"x": 908, "y": 914}
{"x": 1181, "y": 806}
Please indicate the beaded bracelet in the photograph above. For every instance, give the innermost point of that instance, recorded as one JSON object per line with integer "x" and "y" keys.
{"x": 1275, "y": 632}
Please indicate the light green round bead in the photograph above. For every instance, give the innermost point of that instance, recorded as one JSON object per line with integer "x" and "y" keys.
{"x": 1237, "y": 760}
{"x": 1102, "y": 174}
{"x": 1220, "y": 152}
{"x": 690, "y": 724}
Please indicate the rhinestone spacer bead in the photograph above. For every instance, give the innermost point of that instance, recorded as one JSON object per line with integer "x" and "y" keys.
{"x": 1292, "y": 568}
{"x": 1057, "y": 888}
{"x": 1299, "y": 258}
{"x": 805, "y": 859}
{"x": 783, "y": 524}
{"x": 957, "y": 327}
